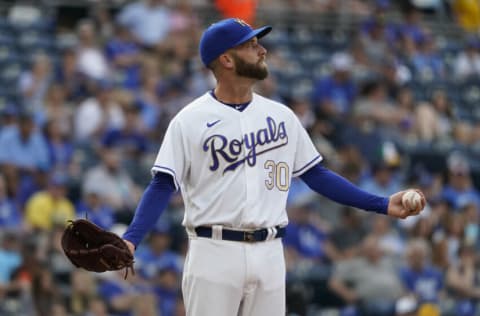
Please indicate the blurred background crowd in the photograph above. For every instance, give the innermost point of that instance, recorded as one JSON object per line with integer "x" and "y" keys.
{"x": 388, "y": 90}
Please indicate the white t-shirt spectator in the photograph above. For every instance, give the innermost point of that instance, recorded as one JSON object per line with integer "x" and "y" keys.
{"x": 150, "y": 24}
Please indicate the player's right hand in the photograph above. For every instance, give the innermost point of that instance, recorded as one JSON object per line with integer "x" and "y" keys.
{"x": 130, "y": 246}
{"x": 396, "y": 208}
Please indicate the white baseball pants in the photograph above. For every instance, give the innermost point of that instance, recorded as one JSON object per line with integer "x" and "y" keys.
{"x": 231, "y": 278}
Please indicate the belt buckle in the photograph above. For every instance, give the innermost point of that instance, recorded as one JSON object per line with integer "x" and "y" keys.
{"x": 249, "y": 236}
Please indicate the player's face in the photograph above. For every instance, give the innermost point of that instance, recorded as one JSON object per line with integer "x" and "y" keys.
{"x": 249, "y": 59}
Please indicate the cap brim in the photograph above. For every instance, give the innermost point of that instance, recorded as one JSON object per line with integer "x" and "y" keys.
{"x": 259, "y": 33}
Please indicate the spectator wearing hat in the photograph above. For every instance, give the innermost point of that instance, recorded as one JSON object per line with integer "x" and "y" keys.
{"x": 334, "y": 94}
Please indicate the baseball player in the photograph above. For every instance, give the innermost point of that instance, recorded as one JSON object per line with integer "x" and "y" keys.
{"x": 233, "y": 153}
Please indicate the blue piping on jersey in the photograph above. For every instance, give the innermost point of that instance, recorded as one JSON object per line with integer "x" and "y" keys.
{"x": 307, "y": 165}
{"x": 236, "y": 106}
{"x": 171, "y": 172}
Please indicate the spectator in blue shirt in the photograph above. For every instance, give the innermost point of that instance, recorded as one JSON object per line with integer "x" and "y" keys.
{"x": 427, "y": 63}
{"x": 167, "y": 288}
{"x": 27, "y": 148}
{"x": 124, "y": 55}
{"x": 125, "y": 297}
{"x": 10, "y": 257}
{"x": 60, "y": 148}
{"x": 95, "y": 209}
{"x": 411, "y": 27}
{"x": 10, "y": 216}
{"x": 129, "y": 139}
{"x": 419, "y": 276}
{"x": 333, "y": 96}
{"x": 306, "y": 240}
{"x": 382, "y": 180}
{"x": 459, "y": 189}
{"x": 151, "y": 258}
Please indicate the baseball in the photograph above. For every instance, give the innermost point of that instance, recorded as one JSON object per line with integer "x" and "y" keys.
{"x": 411, "y": 200}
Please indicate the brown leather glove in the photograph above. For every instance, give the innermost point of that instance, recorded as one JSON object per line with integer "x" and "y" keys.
{"x": 95, "y": 249}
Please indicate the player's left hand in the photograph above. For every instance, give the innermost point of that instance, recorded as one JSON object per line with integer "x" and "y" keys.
{"x": 396, "y": 208}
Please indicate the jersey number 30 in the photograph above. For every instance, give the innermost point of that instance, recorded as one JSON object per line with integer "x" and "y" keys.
{"x": 278, "y": 175}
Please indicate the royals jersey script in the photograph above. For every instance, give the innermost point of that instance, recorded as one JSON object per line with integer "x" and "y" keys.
{"x": 234, "y": 168}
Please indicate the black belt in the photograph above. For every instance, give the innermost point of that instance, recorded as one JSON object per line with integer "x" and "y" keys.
{"x": 238, "y": 235}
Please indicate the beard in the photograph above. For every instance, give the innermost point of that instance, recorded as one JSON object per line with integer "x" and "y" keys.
{"x": 250, "y": 70}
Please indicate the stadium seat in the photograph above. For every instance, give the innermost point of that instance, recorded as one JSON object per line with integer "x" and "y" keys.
{"x": 470, "y": 93}
{"x": 8, "y": 49}
{"x": 10, "y": 72}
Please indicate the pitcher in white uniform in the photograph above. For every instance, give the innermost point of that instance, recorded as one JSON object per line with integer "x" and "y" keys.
{"x": 233, "y": 153}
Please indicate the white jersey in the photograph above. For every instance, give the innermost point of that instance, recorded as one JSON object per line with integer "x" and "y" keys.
{"x": 235, "y": 168}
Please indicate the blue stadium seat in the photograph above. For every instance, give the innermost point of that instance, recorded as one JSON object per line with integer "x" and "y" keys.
{"x": 37, "y": 41}
{"x": 8, "y": 95}
{"x": 10, "y": 72}
{"x": 447, "y": 86}
{"x": 302, "y": 87}
{"x": 463, "y": 112}
{"x": 470, "y": 92}
{"x": 8, "y": 49}
{"x": 45, "y": 24}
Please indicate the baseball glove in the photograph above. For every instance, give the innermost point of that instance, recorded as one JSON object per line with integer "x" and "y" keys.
{"x": 95, "y": 249}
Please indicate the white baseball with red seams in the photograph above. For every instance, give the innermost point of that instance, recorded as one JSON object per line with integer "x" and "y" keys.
{"x": 412, "y": 200}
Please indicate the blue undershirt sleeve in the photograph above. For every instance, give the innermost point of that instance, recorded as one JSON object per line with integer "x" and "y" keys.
{"x": 340, "y": 190}
{"x": 152, "y": 204}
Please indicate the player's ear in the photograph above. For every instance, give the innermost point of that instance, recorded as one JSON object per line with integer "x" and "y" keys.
{"x": 226, "y": 60}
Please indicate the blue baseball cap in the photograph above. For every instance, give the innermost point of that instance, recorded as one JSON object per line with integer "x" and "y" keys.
{"x": 225, "y": 34}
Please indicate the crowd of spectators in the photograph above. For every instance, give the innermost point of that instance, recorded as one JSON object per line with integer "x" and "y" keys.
{"x": 80, "y": 135}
